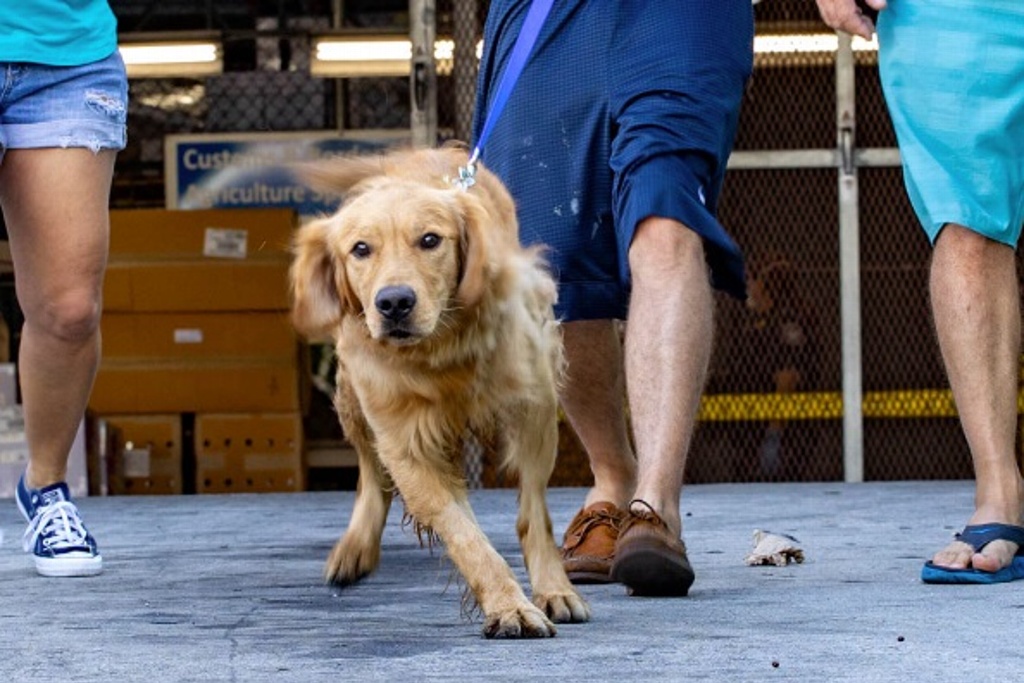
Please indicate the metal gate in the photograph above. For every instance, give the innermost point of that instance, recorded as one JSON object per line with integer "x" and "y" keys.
{"x": 814, "y": 195}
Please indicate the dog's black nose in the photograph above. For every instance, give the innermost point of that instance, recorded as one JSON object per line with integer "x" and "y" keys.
{"x": 395, "y": 302}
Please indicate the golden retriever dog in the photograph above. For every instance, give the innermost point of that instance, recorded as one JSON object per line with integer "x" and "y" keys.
{"x": 442, "y": 323}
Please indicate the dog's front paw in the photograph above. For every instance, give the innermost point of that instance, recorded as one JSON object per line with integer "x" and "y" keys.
{"x": 351, "y": 559}
{"x": 563, "y": 607}
{"x": 521, "y": 621}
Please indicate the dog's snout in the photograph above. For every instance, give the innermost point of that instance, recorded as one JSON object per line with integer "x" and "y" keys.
{"x": 395, "y": 302}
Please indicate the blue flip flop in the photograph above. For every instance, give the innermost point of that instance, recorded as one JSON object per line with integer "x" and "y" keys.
{"x": 978, "y": 536}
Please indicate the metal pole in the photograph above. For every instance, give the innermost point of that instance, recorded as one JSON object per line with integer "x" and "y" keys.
{"x": 423, "y": 72}
{"x": 337, "y": 17}
{"x": 849, "y": 265}
{"x": 464, "y": 69}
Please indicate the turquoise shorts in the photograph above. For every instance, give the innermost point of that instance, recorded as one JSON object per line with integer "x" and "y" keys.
{"x": 953, "y": 76}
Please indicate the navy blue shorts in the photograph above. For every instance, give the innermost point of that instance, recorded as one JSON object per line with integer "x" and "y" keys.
{"x": 627, "y": 109}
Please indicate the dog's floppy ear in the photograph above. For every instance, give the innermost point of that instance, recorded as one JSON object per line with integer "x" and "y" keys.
{"x": 489, "y": 220}
{"x": 475, "y": 250}
{"x": 320, "y": 293}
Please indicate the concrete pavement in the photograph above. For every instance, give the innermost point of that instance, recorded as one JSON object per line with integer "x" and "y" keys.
{"x": 228, "y": 588}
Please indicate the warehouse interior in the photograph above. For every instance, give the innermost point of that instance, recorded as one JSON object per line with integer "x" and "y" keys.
{"x": 206, "y": 388}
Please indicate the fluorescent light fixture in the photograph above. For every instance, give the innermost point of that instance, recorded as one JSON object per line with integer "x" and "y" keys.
{"x": 171, "y": 55}
{"x": 801, "y": 43}
{"x": 807, "y": 49}
{"x": 360, "y": 55}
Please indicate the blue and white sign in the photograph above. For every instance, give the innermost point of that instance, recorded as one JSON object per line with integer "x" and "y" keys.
{"x": 253, "y": 170}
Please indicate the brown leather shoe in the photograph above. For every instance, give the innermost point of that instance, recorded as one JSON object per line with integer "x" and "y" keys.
{"x": 589, "y": 544}
{"x": 650, "y": 560}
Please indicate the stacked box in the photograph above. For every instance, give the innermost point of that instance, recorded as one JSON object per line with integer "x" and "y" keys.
{"x": 249, "y": 453}
{"x": 197, "y": 362}
{"x": 196, "y": 321}
{"x": 148, "y": 454}
{"x": 189, "y": 261}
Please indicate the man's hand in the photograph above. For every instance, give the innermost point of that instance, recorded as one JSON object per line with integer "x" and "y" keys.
{"x": 846, "y": 15}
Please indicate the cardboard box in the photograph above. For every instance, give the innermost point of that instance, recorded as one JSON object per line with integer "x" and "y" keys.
{"x": 208, "y": 260}
{"x": 102, "y": 443}
{"x": 249, "y": 453}
{"x": 183, "y": 284}
{"x": 208, "y": 233}
{"x": 148, "y": 459}
{"x": 204, "y": 362}
{"x": 211, "y": 385}
{"x": 181, "y": 336}
{"x": 14, "y": 455}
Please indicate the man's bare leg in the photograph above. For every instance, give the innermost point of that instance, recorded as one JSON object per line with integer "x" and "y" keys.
{"x": 593, "y": 398}
{"x": 975, "y": 301}
{"x": 668, "y": 347}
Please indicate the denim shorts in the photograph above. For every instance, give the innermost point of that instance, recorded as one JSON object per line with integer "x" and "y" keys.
{"x": 64, "y": 106}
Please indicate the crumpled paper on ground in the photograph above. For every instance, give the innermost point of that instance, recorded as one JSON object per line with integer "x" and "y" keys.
{"x": 776, "y": 549}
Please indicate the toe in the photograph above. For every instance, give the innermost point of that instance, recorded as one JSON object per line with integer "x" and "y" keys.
{"x": 956, "y": 555}
{"x": 565, "y": 608}
{"x": 994, "y": 556}
{"x": 524, "y": 622}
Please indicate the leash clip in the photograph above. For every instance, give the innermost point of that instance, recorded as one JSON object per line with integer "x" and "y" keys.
{"x": 467, "y": 177}
{"x": 467, "y": 173}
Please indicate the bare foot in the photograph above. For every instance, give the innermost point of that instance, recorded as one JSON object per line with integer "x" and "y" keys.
{"x": 991, "y": 558}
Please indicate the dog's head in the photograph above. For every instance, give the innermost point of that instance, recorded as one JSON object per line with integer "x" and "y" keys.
{"x": 407, "y": 251}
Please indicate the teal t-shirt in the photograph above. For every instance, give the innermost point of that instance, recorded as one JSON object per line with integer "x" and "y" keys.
{"x": 56, "y": 32}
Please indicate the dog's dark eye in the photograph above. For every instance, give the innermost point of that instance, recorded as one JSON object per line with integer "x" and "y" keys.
{"x": 361, "y": 250}
{"x": 430, "y": 241}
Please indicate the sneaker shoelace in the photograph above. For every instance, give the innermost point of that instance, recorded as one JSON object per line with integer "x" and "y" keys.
{"x": 60, "y": 526}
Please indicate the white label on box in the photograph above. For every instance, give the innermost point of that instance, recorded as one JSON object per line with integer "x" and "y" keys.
{"x": 136, "y": 462}
{"x": 188, "y": 335}
{"x": 226, "y": 243}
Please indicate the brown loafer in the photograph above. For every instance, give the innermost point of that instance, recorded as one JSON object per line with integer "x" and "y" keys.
{"x": 650, "y": 560}
{"x": 589, "y": 543}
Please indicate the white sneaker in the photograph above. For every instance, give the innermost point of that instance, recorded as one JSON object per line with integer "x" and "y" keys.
{"x": 56, "y": 535}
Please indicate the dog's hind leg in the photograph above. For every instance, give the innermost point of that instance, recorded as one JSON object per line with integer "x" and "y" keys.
{"x": 357, "y": 552}
{"x": 531, "y": 446}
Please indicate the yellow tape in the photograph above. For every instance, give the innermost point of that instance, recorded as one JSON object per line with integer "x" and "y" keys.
{"x": 904, "y": 403}
{"x": 799, "y": 406}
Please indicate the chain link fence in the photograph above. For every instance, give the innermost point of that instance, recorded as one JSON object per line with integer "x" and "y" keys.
{"x": 773, "y": 405}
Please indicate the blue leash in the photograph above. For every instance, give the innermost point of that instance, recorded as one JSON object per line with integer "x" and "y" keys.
{"x": 527, "y": 38}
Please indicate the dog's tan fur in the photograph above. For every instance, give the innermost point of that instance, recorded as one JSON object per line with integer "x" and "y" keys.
{"x": 480, "y": 350}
